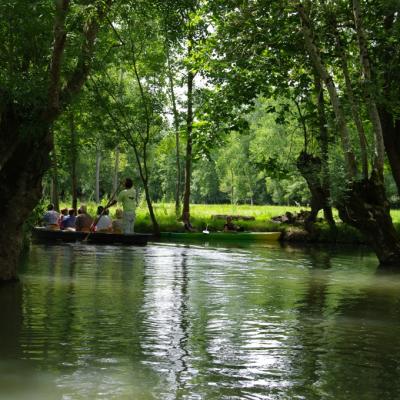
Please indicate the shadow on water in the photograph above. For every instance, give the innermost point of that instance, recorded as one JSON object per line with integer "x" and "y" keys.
{"x": 11, "y": 316}
{"x": 348, "y": 338}
{"x": 73, "y": 321}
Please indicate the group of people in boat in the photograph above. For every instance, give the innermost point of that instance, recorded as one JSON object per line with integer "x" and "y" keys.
{"x": 81, "y": 221}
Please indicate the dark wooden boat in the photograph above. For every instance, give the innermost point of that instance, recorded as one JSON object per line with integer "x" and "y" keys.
{"x": 47, "y": 235}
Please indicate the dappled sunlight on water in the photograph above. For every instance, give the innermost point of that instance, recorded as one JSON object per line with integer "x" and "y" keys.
{"x": 174, "y": 321}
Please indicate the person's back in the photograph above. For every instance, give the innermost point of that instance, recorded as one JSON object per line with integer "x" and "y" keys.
{"x": 83, "y": 221}
{"x": 230, "y": 226}
{"x": 50, "y": 218}
{"x": 69, "y": 221}
{"x": 63, "y": 214}
{"x": 117, "y": 224}
{"x": 104, "y": 223}
{"x": 128, "y": 200}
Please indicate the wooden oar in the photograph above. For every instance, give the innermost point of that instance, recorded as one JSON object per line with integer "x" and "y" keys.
{"x": 97, "y": 219}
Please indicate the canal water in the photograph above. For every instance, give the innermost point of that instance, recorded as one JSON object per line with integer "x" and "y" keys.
{"x": 171, "y": 321}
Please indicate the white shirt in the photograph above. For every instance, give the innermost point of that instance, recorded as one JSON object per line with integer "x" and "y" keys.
{"x": 104, "y": 223}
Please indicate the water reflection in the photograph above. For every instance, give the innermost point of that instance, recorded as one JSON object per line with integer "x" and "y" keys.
{"x": 188, "y": 322}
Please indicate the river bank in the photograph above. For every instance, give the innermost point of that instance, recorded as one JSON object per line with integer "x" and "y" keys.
{"x": 251, "y": 219}
{"x": 254, "y": 218}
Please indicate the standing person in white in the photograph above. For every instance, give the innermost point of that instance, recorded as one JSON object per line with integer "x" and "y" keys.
{"x": 128, "y": 200}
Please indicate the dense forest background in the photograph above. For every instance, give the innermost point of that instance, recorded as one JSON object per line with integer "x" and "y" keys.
{"x": 232, "y": 172}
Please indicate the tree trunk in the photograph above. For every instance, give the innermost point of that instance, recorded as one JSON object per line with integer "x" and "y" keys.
{"x": 391, "y": 136}
{"x": 74, "y": 159}
{"x": 364, "y": 205}
{"x": 189, "y": 155}
{"x": 314, "y": 169}
{"x": 390, "y": 123}
{"x": 350, "y": 161}
{"x": 310, "y": 168}
{"x": 176, "y": 127}
{"x": 54, "y": 180}
{"x": 98, "y": 162}
{"x": 27, "y": 128}
{"x": 352, "y": 100}
{"x": 367, "y": 209}
{"x": 21, "y": 184}
{"x": 116, "y": 169}
{"x": 232, "y": 187}
{"x": 369, "y": 90}
{"x": 143, "y": 172}
{"x": 156, "y": 227}
{"x": 324, "y": 144}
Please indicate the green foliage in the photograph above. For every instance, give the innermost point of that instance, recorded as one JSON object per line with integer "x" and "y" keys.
{"x": 254, "y": 99}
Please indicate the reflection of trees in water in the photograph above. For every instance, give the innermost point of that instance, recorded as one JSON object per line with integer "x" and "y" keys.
{"x": 367, "y": 335}
{"x": 310, "y": 330}
{"x": 190, "y": 359}
{"x": 348, "y": 345}
{"x": 49, "y": 305}
{"x": 11, "y": 320}
{"x": 181, "y": 283}
{"x": 83, "y": 311}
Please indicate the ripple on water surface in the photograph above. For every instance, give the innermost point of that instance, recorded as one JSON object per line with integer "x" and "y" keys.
{"x": 172, "y": 321}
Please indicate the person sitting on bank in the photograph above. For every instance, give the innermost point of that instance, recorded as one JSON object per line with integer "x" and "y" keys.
{"x": 83, "y": 220}
{"x": 50, "y": 218}
{"x": 104, "y": 223}
{"x": 117, "y": 226}
{"x": 230, "y": 226}
{"x": 68, "y": 222}
{"x": 186, "y": 223}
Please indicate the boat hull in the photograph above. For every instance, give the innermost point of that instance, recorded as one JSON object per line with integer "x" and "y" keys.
{"x": 223, "y": 236}
{"x": 46, "y": 235}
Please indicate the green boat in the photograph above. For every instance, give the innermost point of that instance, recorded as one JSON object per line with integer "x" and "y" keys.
{"x": 225, "y": 236}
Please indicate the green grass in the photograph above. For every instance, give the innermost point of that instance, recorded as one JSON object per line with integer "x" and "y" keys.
{"x": 201, "y": 216}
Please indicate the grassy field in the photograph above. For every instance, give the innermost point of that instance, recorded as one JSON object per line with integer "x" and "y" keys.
{"x": 202, "y": 217}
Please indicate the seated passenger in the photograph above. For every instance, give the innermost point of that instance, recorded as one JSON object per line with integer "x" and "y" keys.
{"x": 104, "y": 223}
{"x": 230, "y": 226}
{"x": 50, "y": 218}
{"x": 68, "y": 222}
{"x": 117, "y": 224}
{"x": 63, "y": 214}
{"x": 186, "y": 223}
{"x": 83, "y": 221}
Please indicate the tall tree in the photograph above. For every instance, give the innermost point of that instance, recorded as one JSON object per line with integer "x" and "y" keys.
{"x": 134, "y": 101}
{"x": 364, "y": 204}
{"x": 189, "y": 131}
{"x": 73, "y": 159}
{"x": 38, "y": 78}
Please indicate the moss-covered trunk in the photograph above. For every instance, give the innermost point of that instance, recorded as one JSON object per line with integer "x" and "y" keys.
{"x": 310, "y": 167}
{"x": 21, "y": 189}
{"x": 365, "y": 207}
